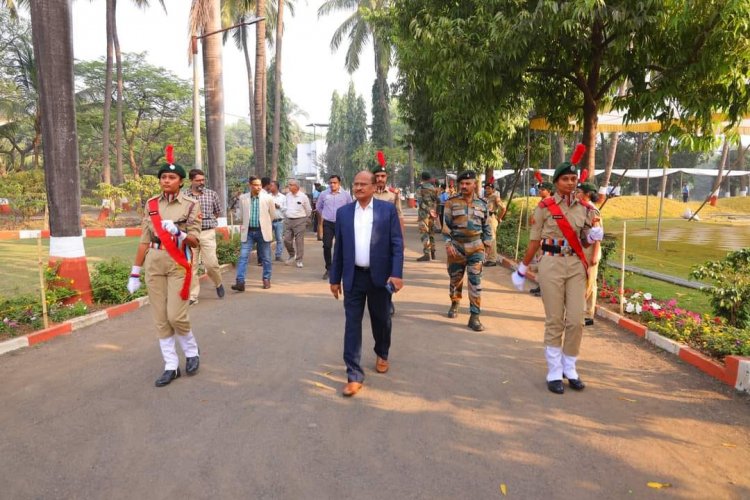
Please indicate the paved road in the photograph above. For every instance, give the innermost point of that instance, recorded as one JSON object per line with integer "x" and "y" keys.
{"x": 459, "y": 414}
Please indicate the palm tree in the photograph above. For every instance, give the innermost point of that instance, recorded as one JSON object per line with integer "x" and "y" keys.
{"x": 51, "y": 24}
{"x": 205, "y": 17}
{"x": 277, "y": 91}
{"x": 358, "y": 31}
{"x": 12, "y": 6}
{"x": 259, "y": 140}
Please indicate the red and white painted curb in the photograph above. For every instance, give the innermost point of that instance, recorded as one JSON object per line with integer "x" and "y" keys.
{"x": 67, "y": 327}
{"x": 96, "y": 232}
{"x": 734, "y": 372}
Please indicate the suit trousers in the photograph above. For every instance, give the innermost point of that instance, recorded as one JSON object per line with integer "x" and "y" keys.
{"x": 378, "y": 301}
{"x": 329, "y": 231}
{"x": 206, "y": 251}
{"x": 294, "y": 237}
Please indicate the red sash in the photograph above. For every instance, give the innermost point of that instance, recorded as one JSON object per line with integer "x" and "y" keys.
{"x": 170, "y": 246}
{"x": 565, "y": 227}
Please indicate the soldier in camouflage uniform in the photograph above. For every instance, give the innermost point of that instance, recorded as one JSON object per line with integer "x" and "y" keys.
{"x": 427, "y": 213}
{"x": 467, "y": 234}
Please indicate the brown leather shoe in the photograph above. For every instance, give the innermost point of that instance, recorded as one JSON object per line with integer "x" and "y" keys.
{"x": 381, "y": 365}
{"x": 266, "y": 284}
{"x": 352, "y": 388}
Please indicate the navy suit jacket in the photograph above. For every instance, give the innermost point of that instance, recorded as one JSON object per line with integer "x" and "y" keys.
{"x": 386, "y": 245}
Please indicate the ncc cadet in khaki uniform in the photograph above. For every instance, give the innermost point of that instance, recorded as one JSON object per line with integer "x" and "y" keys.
{"x": 427, "y": 213}
{"x": 466, "y": 231}
{"x": 562, "y": 272}
{"x": 588, "y": 195}
{"x": 165, "y": 251}
{"x": 496, "y": 210}
{"x": 391, "y": 195}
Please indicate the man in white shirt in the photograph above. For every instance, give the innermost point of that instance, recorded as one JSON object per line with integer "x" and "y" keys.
{"x": 368, "y": 258}
{"x": 279, "y": 200}
{"x": 297, "y": 211}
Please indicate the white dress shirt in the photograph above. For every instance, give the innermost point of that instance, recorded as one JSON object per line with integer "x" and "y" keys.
{"x": 280, "y": 200}
{"x": 362, "y": 234}
{"x": 297, "y": 205}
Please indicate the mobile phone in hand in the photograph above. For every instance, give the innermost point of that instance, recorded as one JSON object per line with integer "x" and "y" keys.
{"x": 391, "y": 289}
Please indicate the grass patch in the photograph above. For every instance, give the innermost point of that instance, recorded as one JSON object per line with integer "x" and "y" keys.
{"x": 18, "y": 263}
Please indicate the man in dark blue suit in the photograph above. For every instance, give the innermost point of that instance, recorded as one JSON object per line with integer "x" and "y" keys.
{"x": 369, "y": 256}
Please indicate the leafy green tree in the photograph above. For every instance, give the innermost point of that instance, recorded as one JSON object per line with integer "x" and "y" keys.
{"x": 281, "y": 141}
{"x": 358, "y": 28}
{"x": 346, "y": 133}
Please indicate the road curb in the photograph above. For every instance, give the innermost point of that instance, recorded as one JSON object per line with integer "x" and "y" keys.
{"x": 734, "y": 372}
{"x": 77, "y": 323}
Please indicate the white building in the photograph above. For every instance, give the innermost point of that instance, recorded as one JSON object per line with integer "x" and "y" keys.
{"x": 309, "y": 162}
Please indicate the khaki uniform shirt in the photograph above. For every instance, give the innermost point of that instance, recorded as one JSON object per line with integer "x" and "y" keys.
{"x": 495, "y": 204}
{"x": 183, "y": 211}
{"x": 391, "y": 197}
{"x": 579, "y": 216}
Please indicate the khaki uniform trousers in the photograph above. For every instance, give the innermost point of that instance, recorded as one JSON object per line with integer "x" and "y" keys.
{"x": 492, "y": 249}
{"x": 164, "y": 279}
{"x": 206, "y": 251}
{"x": 592, "y": 291}
{"x": 563, "y": 282}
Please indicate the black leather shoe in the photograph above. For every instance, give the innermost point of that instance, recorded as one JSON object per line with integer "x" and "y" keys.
{"x": 393, "y": 309}
{"x": 575, "y": 383}
{"x": 192, "y": 365}
{"x": 424, "y": 258}
{"x": 167, "y": 377}
{"x": 432, "y": 254}
{"x": 588, "y": 322}
{"x": 220, "y": 291}
{"x": 240, "y": 287}
{"x": 536, "y": 290}
{"x": 325, "y": 275}
{"x": 556, "y": 386}
{"x": 490, "y": 263}
{"x": 475, "y": 324}
{"x": 453, "y": 311}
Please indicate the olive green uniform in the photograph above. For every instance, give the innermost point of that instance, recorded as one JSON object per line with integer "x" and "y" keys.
{"x": 495, "y": 209}
{"x": 428, "y": 202}
{"x": 164, "y": 277}
{"x": 562, "y": 277}
{"x": 466, "y": 227}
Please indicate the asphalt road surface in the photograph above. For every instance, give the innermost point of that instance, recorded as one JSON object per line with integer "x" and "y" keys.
{"x": 460, "y": 415}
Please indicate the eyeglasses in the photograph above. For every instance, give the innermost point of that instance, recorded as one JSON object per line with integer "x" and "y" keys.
{"x": 362, "y": 184}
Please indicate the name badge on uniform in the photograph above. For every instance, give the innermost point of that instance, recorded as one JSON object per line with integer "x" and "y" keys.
{"x": 558, "y": 216}
{"x": 152, "y": 213}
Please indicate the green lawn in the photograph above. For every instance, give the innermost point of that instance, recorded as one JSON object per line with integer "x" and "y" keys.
{"x": 18, "y": 260}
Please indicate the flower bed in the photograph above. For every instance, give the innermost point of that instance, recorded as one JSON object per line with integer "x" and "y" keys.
{"x": 705, "y": 333}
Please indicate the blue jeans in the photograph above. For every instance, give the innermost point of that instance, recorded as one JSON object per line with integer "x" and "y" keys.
{"x": 278, "y": 236}
{"x": 264, "y": 250}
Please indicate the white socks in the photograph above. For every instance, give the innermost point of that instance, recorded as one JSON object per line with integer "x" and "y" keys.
{"x": 554, "y": 358}
{"x": 569, "y": 367}
{"x": 189, "y": 344}
{"x": 169, "y": 353}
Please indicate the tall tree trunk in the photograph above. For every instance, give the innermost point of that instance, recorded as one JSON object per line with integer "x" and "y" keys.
{"x": 250, "y": 86}
{"x": 380, "y": 99}
{"x": 277, "y": 94}
{"x": 741, "y": 164}
{"x": 259, "y": 143}
{"x": 614, "y": 139}
{"x": 560, "y": 150}
{"x": 106, "y": 168}
{"x": 214, "y": 91}
{"x": 590, "y": 124}
{"x": 52, "y": 36}
{"x": 118, "y": 127}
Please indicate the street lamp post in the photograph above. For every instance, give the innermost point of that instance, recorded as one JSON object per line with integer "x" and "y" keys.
{"x": 196, "y": 102}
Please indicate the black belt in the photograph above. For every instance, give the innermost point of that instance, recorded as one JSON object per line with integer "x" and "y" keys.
{"x": 557, "y": 249}
{"x": 256, "y": 228}
{"x": 360, "y": 268}
{"x": 207, "y": 228}
{"x": 278, "y": 220}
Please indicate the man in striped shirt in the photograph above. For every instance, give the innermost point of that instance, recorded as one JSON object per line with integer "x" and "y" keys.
{"x": 206, "y": 249}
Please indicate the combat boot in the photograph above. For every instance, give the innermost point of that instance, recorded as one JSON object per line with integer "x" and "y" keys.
{"x": 432, "y": 254}
{"x": 424, "y": 258}
{"x": 453, "y": 311}
{"x": 475, "y": 324}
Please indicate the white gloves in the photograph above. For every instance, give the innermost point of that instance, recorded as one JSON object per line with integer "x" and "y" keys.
{"x": 134, "y": 282}
{"x": 170, "y": 227}
{"x": 595, "y": 234}
{"x": 519, "y": 277}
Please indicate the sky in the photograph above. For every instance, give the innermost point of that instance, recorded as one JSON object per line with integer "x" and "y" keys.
{"x": 310, "y": 72}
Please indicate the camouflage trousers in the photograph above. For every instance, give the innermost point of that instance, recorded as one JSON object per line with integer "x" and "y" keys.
{"x": 468, "y": 261}
{"x": 425, "y": 233}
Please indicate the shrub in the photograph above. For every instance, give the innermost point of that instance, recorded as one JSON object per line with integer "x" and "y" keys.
{"x": 228, "y": 251}
{"x": 730, "y": 296}
{"x": 507, "y": 232}
{"x": 109, "y": 280}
